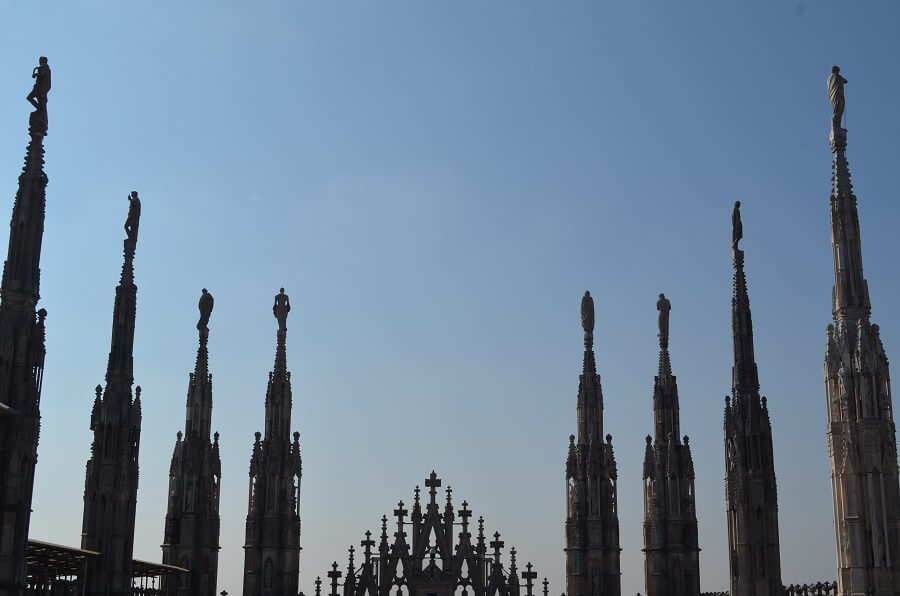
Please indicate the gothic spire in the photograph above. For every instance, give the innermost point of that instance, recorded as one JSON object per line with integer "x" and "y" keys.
{"x": 862, "y": 441}
{"x": 21, "y": 271}
{"x": 278, "y": 394}
{"x": 665, "y": 390}
{"x": 199, "y": 401}
{"x": 751, "y": 498}
{"x": 850, "y": 295}
{"x": 120, "y": 369}
{"x": 744, "y": 376}
{"x": 112, "y": 471}
{"x": 590, "y": 399}
{"x": 22, "y": 346}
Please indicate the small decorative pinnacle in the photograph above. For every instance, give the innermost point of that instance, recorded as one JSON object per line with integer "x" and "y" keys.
{"x": 281, "y": 308}
{"x": 649, "y": 440}
{"x": 98, "y": 390}
{"x": 609, "y": 438}
{"x": 42, "y": 316}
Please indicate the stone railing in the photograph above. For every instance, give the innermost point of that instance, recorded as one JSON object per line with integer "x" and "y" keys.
{"x": 816, "y": 589}
{"x": 812, "y": 589}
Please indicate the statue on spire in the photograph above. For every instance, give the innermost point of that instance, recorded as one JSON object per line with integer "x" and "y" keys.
{"x": 206, "y": 307}
{"x": 41, "y": 76}
{"x": 134, "y": 217}
{"x": 587, "y": 314}
{"x": 836, "y": 84}
{"x": 663, "y": 306}
{"x": 737, "y": 229}
{"x": 281, "y": 308}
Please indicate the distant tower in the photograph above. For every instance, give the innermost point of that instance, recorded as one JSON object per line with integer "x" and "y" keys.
{"x": 192, "y": 522}
{"x": 111, "y": 481}
{"x": 751, "y": 497}
{"x": 592, "y": 519}
{"x": 272, "y": 545}
{"x": 21, "y": 357}
{"x": 671, "y": 547}
{"x": 862, "y": 440}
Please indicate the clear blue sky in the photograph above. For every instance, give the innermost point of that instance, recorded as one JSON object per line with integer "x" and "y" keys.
{"x": 436, "y": 184}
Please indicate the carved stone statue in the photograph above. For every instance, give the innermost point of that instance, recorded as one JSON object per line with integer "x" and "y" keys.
{"x": 41, "y": 76}
{"x": 836, "y": 96}
{"x": 663, "y": 306}
{"x": 737, "y": 229}
{"x": 844, "y": 383}
{"x": 134, "y": 216}
{"x": 281, "y": 308}
{"x": 206, "y": 307}
{"x": 587, "y": 314}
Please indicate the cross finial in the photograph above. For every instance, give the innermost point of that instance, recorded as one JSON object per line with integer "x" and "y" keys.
{"x": 546, "y": 587}
{"x": 497, "y": 544}
{"x": 449, "y": 495}
{"x": 334, "y": 574}
{"x": 512, "y": 559}
{"x": 481, "y": 529}
{"x": 417, "y": 490}
{"x": 351, "y": 550}
{"x": 465, "y": 513}
{"x": 433, "y": 483}
{"x": 368, "y": 543}
{"x": 400, "y": 513}
{"x": 318, "y": 583}
{"x": 529, "y": 576}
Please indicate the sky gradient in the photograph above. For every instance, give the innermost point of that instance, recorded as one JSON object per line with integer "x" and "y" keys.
{"x": 435, "y": 185}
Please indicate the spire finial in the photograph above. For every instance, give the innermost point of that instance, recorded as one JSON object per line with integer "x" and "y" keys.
{"x": 280, "y": 309}
{"x": 587, "y": 318}
{"x": 663, "y": 306}
{"x": 38, "y": 96}
{"x": 201, "y": 369}
{"x": 836, "y": 84}
{"x": 206, "y": 307}
{"x": 133, "y": 221}
{"x": 737, "y": 229}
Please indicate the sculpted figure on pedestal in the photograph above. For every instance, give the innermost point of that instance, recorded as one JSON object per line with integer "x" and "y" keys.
{"x": 836, "y": 96}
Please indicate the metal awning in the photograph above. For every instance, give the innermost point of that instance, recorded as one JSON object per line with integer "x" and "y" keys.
{"x": 146, "y": 569}
{"x": 56, "y": 560}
